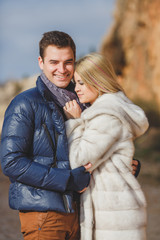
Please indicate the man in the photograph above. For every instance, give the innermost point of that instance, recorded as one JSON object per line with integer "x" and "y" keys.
{"x": 36, "y": 162}
{"x": 34, "y": 151}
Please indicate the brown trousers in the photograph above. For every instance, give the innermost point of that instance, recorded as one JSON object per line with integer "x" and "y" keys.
{"x": 49, "y": 225}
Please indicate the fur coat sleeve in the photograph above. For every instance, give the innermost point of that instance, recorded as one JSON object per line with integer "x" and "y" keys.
{"x": 89, "y": 140}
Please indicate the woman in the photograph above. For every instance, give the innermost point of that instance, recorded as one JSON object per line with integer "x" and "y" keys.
{"x": 113, "y": 206}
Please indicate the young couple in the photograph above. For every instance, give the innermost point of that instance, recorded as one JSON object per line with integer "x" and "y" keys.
{"x": 100, "y": 126}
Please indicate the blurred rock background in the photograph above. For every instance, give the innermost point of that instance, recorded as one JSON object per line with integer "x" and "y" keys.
{"x": 133, "y": 47}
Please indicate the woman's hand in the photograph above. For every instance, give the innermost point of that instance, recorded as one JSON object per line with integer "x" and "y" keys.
{"x": 88, "y": 166}
{"x": 72, "y": 110}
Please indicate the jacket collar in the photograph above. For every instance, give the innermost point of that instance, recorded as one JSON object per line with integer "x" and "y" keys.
{"x": 44, "y": 91}
{"x": 57, "y": 116}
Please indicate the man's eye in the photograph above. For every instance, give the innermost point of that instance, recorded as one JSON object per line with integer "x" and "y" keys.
{"x": 53, "y": 62}
{"x": 70, "y": 62}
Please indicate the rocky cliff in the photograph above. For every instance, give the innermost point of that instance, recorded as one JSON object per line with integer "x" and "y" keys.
{"x": 133, "y": 45}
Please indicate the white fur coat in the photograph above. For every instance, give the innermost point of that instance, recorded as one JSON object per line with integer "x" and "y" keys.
{"x": 113, "y": 206}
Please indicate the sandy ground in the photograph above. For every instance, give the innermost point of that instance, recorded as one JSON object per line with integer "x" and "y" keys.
{"x": 9, "y": 222}
{"x": 10, "y": 225}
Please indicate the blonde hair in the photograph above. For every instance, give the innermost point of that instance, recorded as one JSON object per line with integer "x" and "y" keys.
{"x": 97, "y": 71}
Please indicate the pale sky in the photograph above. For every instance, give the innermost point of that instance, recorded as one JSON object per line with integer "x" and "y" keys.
{"x": 22, "y": 23}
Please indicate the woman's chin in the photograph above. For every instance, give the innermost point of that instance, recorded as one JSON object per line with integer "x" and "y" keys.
{"x": 83, "y": 102}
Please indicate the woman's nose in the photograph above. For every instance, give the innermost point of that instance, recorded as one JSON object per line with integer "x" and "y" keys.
{"x": 76, "y": 88}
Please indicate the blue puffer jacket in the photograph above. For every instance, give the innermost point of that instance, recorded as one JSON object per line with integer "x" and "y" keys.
{"x": 27, "y": 153}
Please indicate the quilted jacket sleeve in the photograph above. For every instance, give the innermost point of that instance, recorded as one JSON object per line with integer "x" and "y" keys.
{"x": 16, "y": 140}
{"x": 90, "y": 140}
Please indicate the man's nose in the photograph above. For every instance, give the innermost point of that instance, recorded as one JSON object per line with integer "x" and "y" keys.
{"x": 61, "y": 68}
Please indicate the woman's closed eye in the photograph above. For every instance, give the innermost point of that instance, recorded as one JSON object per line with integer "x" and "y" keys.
{"x": 80, "y": 82}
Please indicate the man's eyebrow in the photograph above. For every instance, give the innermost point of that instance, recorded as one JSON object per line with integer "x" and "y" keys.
{"x": 53, "y": 60}
{"x": 69, "y": 60}
{"x": 56, "y": 60}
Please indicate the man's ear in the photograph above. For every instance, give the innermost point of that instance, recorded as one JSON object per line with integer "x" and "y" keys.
{"x": 40, "y": 61}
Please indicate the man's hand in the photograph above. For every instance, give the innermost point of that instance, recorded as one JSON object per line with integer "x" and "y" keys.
{"x": 136, "y": 166}
{"x": 79, "y": 179}
{"x": 87, "y": 166}
{"x": 72, "y": 110}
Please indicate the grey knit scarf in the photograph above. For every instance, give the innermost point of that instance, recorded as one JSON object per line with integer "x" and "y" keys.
{"x": 60, "y": 95}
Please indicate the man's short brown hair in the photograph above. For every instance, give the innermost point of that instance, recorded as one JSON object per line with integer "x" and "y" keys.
{"x": 57, "y": 38}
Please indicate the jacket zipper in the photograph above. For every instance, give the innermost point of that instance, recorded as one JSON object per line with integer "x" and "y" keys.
{"x": 51, "y": 142}
{"x": 65, "y": 199}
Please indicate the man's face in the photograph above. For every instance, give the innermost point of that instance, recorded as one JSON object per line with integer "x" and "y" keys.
{"x": 58, "y": 65}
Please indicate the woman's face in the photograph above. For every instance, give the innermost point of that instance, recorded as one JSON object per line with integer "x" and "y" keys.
{"x": 85, "y": 93}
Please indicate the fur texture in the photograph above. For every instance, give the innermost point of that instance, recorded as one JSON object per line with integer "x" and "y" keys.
{"x": 113, "y": 206}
